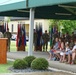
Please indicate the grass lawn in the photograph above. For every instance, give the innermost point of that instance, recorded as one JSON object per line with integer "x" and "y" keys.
{"x": 4, "y": 67}
{"x": 13, "y": 47}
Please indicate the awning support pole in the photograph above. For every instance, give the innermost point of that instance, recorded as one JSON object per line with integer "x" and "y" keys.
{"x": 31, "y": 27}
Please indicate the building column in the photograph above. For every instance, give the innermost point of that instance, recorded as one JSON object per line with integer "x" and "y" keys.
{"x": 31, "y": 27}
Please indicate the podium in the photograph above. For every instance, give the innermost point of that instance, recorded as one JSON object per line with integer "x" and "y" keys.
{"x": 3, "y": 50}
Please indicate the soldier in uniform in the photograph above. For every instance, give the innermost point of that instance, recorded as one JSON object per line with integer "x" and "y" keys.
{"x": 8, "y": 35}
{"x": 45, "y": 38}
{"x": 1, "y": 35}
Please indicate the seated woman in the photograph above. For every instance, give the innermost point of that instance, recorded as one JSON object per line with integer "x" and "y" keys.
{"x": 73, "y": 52}
{"x": 67, "y": 52}
{"x": 54, "y": 49}
{"x": 62, "y": 49}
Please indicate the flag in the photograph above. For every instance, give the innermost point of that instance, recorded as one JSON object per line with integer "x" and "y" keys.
{"x": 7, "y": 26}
{"x": 40, "y": 34}
{"x": 19, "y": 41}
{"x": 51, "y": 35}
{"x": 37, "y": 31}
{"x": 37, "y": 28}
{"x": 40, "y": 29}
{"x": 54, "y": 29}
{"x": 23, "y": 35}
{"x": 19, "y": 35}
{"x": 4, "y": 29}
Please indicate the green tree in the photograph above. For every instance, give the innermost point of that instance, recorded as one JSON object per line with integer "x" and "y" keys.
{"x": 64, "y": 25}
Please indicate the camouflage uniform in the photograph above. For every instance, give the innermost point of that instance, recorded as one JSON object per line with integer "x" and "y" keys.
{"x": 45, "y": 38}
{"x": 8, "y": 35}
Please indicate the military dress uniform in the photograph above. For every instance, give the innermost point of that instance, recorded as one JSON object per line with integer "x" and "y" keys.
{"x": 8, "y": 35}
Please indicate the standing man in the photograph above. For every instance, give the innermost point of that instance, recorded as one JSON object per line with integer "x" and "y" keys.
{"x": 8, "y": 35}
{"x": 45, "y": 38}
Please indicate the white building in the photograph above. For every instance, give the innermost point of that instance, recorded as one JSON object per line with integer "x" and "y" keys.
{"x": 13, "y": 25}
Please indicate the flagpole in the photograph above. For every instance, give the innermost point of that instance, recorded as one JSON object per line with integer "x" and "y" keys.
{"x": 31, "y": 27}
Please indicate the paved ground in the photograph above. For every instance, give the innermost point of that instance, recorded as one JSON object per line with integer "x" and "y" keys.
{"x": 39, "y": 73}
{"x": 53, "y": 64}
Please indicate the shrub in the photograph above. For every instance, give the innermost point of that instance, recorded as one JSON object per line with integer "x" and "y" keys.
{"x": 40, "y": 64}
{"x": 20, "y": 64}
{"x": 29, "y": 59}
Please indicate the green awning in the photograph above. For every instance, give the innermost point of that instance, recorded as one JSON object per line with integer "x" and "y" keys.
{"x": 44, "y": 9}
{"x": 38, "y": 3}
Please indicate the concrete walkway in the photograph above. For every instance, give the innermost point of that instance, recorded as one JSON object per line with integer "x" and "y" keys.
{"x": 53, "y": 64}
{"x": 39, "y": 73}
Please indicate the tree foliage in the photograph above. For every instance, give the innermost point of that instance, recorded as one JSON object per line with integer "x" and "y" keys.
{"x": 64, "y": 25}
